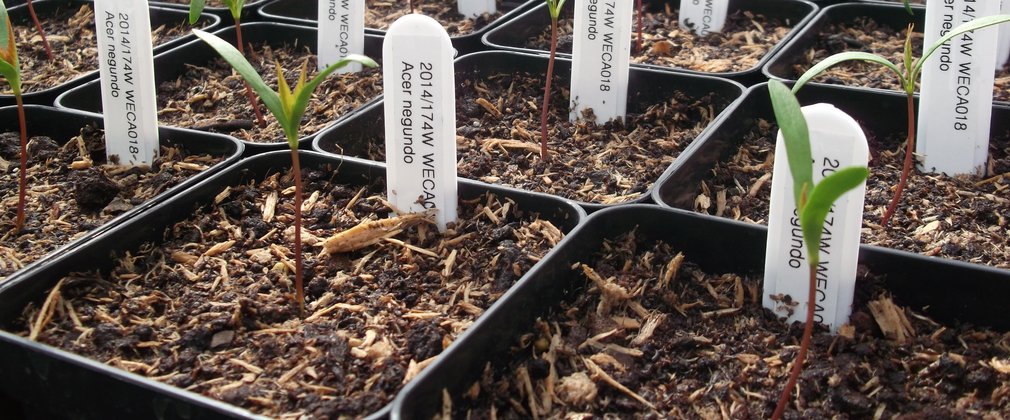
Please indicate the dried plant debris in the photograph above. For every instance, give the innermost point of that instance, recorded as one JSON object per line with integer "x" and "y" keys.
{"x": 867, "y": 35}
{"x": 703, "y": 347}
{"x": 71, "y": 33}
{"x": 211, "y": 309}
{"x": 379, "y": 14}
{"x": 71, "y": 190}
{"x": 744, "y": 41}
{"x": 212, "y": 97}
{"x": 963, "y": 218}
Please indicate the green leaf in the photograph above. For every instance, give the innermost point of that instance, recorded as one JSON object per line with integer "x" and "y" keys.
{"x": 979, "y": 23}
{"x": 796, "y": 136}
{"x": 845, "y": 56}
{"x": 908, "y": 8}
{"x": 554, "y": 8}
{"x": 819, "y": 204}
{"x": 239, "y": 63}
{"x": 195, "y": 8}
{"x": 10, "y": 67}
{"x": 235, "y": 6}
{"x": 303, "y": 94}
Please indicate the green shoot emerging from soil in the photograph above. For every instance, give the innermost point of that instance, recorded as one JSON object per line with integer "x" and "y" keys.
{"x": 288, "y": 105}
{"x": 813, "y": 202}
{"x": 235, "y": 7}
{"x": 907, "y": 76}
{"x": 554, "y": 8}
{"x": 38, "y": 27}
{"x": 10, "y": 68}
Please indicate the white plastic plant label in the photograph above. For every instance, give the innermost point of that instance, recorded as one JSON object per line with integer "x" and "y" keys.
{"x": 420, "y": 111}
{"x": 1003, "y": 45}
{"x": 703, "y": 16}
{"x": 474, "y": 8}
{"x": 957, "y": 81}
{"x": 601, "y": 53}
{"x": 341, "y": 32}
{"x": 836, "y": 141}
{"x": 127, "y": 76}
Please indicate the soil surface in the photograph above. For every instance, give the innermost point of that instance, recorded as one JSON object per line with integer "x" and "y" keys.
{"x": 866, "y": 35}
{"x": 72, "y": 191}
{"x": 211, "y": 310}
{"x": 702, "y": 346}
{"x": 71, "y": 35}
{"x": 962, "y": 218}
{"x": 745, "y": 40}
{"x": 212, "y": 96}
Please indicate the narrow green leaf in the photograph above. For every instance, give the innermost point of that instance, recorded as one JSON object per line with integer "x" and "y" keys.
{"x": 235, "y": 7}
{"x": 10, "y": 67}
{"x": 979, "y": 23}
{"x": 554, "y": 8}
{"x": 910, "y": 86}
{"x": 908, "y": 8}
{"x": 819, "y": 203}
{"x": 303, "y": 95}
{"x": 195, "y": 8}
{"x": 845, "y": 56}
{"x": 239, "y": 63}
{"x": 12, "y": 75}
{"x": 796, "y": 135}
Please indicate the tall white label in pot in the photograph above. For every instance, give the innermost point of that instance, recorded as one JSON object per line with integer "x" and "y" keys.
{"x": 341, "y": 32}
{"x": 126, "y": 67}
{"x": 601, "y": 51}
{"x": 474, "y": 8}
{"x": 703, "y": 16}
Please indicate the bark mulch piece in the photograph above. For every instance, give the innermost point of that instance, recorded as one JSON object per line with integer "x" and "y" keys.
{"x": 654, "y": 336}
{"x": 211, "y": 310}
{"x": 962, "y": 218}
{"x": 379, "y": 14}
{"x": 71, "y": 190}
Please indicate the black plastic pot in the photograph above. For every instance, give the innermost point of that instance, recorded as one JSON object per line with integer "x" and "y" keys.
{"x": 248, "y": 10}
{"x": 917, "y": 282}
{"x": 63, "y": 124}
{"x": 159, "y": 16}
{"x": 171, "y": 64}
{"x": 513, "y": 35}
{"x": 366, "y": 130}
{"x": 73, "y": 385}
{"x": 304, "y": 12}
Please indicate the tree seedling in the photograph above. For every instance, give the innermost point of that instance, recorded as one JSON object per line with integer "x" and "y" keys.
{"x": 908, "y": 74}
{"x": 813, "y": 203}
{"x": 287, "y": 105}
{"x": 554, "y": 8}
{"x": 38, "y": 27}
{"x": 10, "y": 68}
{"x": 235, "y": 7}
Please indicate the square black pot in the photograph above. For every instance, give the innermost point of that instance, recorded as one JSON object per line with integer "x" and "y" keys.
{"x": 173, "y": 63}
{"x": 303, "y": 12}
{"x": 513, "y": 35}
{"x": 159, "y": 16}
{"x": 915, "y": 281}
{"x": 365, "y": 132}
{"x": 75, "y": 386}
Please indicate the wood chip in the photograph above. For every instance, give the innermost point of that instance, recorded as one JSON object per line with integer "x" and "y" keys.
{"x": 891, "y": 320}
{"x": 219, "y": 248}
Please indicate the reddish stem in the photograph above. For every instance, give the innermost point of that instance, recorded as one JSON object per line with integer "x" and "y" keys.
{"x": 808, "y": 331}
{"x": 42, "y": 33}
{"x": 906, "y": 168}
{"x": 547, "y": 90}
{"x": 296, "y": 169}
{"x": 638, "y": 42}
{"x": 23, "y": 175}
{"x": 248, "y": 89}
{"x": 411, "y": 3}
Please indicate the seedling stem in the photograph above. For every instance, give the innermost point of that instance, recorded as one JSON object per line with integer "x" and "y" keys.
{"x": 42, "y": 33}
{"x": 554, "y": 8}
{"x": 10, "y": 68}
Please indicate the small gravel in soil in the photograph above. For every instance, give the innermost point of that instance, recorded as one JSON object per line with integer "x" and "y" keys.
{"x": 962, "y": 218}
{"x": 866, "y": 35}
{"x": 745, "y": 40}
{"x": 71, "y": 193}
{"x": 211, "y": 310}
{"x": 702, "y": 346}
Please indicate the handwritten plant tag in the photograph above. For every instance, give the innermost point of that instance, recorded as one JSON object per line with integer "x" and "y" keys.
{"x": 600, "y": 58}
{"x": 836, "y": 141}
{"x": 341, "y": 32}
{"x": 703, "y": 16}
{"x": 957, "y": 81}
{"x": 126, "y": 66}
{"x": 474, "y": 8}
{"x": 420, "y": 111}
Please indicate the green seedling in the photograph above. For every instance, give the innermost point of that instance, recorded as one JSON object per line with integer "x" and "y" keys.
{"x": 554, "y": 8}
{"x": 288, "y": 105}
{"x": 235, "y": 7}
{"x": 813, "y": 202}
{"x": 908, "y": 74}
{"x": 38, "y": 27}
{"x": 10, "y": 68}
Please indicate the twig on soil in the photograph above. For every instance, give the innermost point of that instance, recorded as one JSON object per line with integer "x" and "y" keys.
{"x": 46, "y": 312}
{"x": 599, "y": 373}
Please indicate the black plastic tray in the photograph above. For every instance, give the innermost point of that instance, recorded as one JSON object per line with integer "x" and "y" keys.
{"x": 303, "y": 12}
{"x": 514, "y": 34}
{"x": 159, "y": 16}
{"x": 353, "y": 137}
{"x": 919, "y": 282}
{"x": 170, "y": 64}
{"x": 81, "y": 387}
